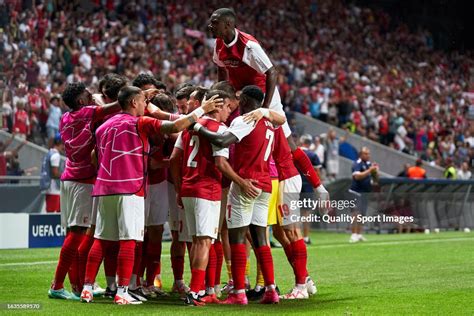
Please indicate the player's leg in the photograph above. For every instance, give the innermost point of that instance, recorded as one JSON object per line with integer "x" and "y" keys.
{"x": 225, "y": 241}
{"x": 238, "y": 217}
{"x": 177, "y": 249}
{"x": 291, "y": 192}
{"x": 106, "y": 237}
{"x": 131, "y": 224}
{"x": 262, "y": 247}
{"x": 75, "y": 217}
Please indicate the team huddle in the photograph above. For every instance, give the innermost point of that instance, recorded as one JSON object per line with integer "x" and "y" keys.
{"x": 220, "y": 171}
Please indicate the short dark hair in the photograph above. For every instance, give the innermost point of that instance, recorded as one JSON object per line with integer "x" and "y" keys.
{"x": 220, "y": 93}
{"x": 254, "y": 93}
{"x": 54, "y": 97}
{"x": 164, "y": 102}
{"x": 183, "y": 85}
{"x": 224, "y": 86}
{"x": 126, "y": 94}
{"x": 105, "y": 79}
{"x": 144, "y": 79}
{"x": 112, "y": 87}
{"x": 72, "y": 92}
{"x": 227, "y": 13}
{"x": 185, "y": 92}
{"x": 200, "y": 93}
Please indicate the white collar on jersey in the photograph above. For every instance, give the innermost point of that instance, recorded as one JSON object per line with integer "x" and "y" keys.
{"x": 234, "y": 40}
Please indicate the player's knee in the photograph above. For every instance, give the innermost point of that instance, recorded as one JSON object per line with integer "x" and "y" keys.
{"x": 292, "y": 233}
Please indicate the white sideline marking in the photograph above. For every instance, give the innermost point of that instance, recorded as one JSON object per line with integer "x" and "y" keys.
{"x": 380, "y": 243}
{"x": 401, "y": 242}
{"x": 37, "y": 263}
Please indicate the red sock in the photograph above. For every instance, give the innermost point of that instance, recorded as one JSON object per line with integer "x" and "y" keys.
{"x": 83, "y": 253}
{"x": 300, "y": 256}
{"x": 304, "y": 165}
{"x": 152, "y": 261}
{"x": 197, "y": 279}
{"x": 219, "y": 260}
{"x": 126, "y": 258}
{"x": 177, "y": 264}
{"x": 264, "y": 257}
{"x": 211, "y": 268}
{"x": 289, "y": 253}
{"x": 110, "y": 258}
{"x": 73, "y": 274}
{"x": 239, "y": 260}
{"x": 138, "y": 260}
{"x": 94, "y": 259}
{"x": 66, "y": 258}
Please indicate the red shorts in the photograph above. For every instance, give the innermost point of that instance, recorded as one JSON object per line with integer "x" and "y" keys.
{"x": 52, "y": 203}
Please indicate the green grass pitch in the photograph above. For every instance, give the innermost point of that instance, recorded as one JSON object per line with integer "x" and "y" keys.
{"x": 389, "y": 274}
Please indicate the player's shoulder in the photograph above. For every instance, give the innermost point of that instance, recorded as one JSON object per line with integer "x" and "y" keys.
{"x": 246, "y": 38}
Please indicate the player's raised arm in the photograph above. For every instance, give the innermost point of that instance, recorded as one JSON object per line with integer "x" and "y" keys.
{"x": 185, "y": 121}
{"x": 270, "y": 84}
{"x": 256, "y": 115}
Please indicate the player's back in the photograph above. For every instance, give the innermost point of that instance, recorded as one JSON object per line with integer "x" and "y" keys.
{"x": 77, "y": 136}
{"x": 252, "y": 155}
{"x": 201, "y": 178}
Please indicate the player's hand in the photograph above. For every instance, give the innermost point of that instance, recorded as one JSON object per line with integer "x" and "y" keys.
{"x": 150, "y": 94}
{"x": 323, "y": 195}
{"x": 179, "y": 201}
{"x": 150, "y": 107}
{"x": 254, "y": 116}
{"x": 211, "y": 104}
{"x": 249, "y": 188}
{"x": 98, "y": 99}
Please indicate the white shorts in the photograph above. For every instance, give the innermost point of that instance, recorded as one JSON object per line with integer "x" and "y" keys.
{"x": 289, "y": 193}
{"x": 76, "y": 204}
{"x": 95, "y": 206}
{"x": 156, "y": 204}
{"x": 243, "y": 211}
{"x": 277, "y": 106}
{"x": 202, "y": 216}
{"x": 120, "y": 217}
{"x": 173, "y": 219}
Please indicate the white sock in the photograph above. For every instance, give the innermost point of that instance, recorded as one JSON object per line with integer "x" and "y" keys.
{"x": 210, "y": 291}
{"x": 111, "y": 283}
{"x": 301, "y": 287}
{"x": 258, "y": 287}
{"x": 354, "y": 236}
{"x": 88, "y": 287}
{"x": 133, "y": 282}
{"x": 306, "y": 239}
{"x": 270, "y": 287}
{"x": 202, "y": 293}
{"x": 239, "y": 291}
{"x": 122, "y": 290}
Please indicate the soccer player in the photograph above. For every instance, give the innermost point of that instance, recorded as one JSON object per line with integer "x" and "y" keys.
{"x": 123, "y": 146}
{"x": 249, "y": 193}
{"x": 77, "y": 179}
{"x": 50, "y": 175}
{"x": 242, "y": 61}
{"x": 198, "y": 184}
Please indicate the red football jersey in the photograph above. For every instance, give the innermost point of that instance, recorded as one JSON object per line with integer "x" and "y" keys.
{"x": 253, "y": 151}
{"x": 157, "y": 175}
{"x": 244, "y": 59}
{"x": 283, "y": 157}
{"x": 201, "y": 178}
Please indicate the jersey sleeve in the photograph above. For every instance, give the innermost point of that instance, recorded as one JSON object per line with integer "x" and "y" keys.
{"x": 215, "y": 58}
{"x": 240, "y": 129}
{"x": 255, "y": 57}
{"x": 55, "y": 160}
{"x": 149, "y": 126}
{"x": 99, "y": 113}
{"x": 217, "y": 151}
{"x": 179, "y": 141}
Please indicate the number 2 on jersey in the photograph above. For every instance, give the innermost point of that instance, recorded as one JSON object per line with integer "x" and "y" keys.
{"x": 269, "y": 135}
{"x": 194, "y": 142}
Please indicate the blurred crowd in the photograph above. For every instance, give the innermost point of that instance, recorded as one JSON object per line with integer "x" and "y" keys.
{"x": 352, "y": 67}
